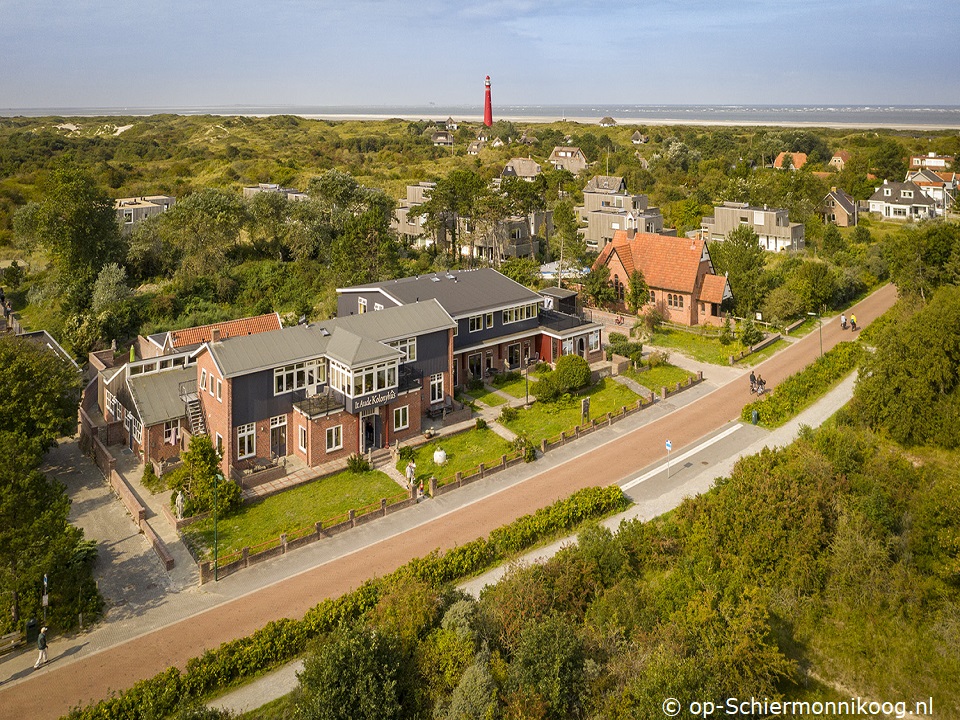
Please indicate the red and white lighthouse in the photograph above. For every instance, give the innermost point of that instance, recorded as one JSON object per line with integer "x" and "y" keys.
{"x": 487, "y": 107}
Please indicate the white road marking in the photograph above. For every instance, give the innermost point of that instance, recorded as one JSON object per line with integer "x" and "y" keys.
{"x": 680, "y": 458}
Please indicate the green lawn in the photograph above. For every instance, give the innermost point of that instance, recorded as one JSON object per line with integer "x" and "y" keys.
{"x": 761, "y": 355}
{"x": 700, "y": 347}
{"x": 547, "y": 420}
{"x": 490, "y": 399}
{"x": 293, "y": 509}
{"x": 665, "y": 375}
{"x": 517, "y": 388}
{"x": 464, "y": 451}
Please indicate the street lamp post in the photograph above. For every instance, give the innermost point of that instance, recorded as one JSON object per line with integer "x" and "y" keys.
{"x": 819, "y": 328}
{"x": 216, "y": 548}
{"x": 526, "y": 377}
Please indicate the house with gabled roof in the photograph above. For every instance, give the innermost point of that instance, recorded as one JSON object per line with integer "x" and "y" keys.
{"x": 568, "y": 157}
{"x": 501, "y": 325}
{"x": 442, "y": 138}
{"x": 902, "y": 201}
{"x": 315, "y": 392}
{"x": 797, "y": 161}
{"x": 839, "y": 208}
{"x": 939, "y": 186}
{"x": 678, "y": 271}
{"x": 173, "y": 341}
{"x": 523, "y": 168}
{"x": 840, "y": 160}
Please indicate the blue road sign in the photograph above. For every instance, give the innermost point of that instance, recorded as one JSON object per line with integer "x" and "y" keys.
{"x": 669, "y": 445}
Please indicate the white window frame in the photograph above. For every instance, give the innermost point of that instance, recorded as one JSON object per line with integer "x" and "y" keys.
{"x": 219, "y": 389}
{"x": 302, "y": 438}
{"x": 210, "y": 379}
{"x": 278, "y": 421}
{"x": 594, "y": 340}
{"x": 171, "y": 432}
{"x": 203, "y": 380}
{"x": 436, "y": 388}
{"x": 361, "y": 306}
{"x": 219, "y": 444}
{"x": 246, "y": 441}
{"x": 408, "y": 346}
{"x": 401, "y": 418}
{"x": 488, "y": 320}
{"x": 377, "y": 306}
{"x": 337, "y": 438}
{"x": 297, "y": 376}
{"x": 476, "y": 323}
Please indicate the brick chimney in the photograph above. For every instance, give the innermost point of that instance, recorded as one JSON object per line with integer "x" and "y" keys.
{"x": 214, "y": 334}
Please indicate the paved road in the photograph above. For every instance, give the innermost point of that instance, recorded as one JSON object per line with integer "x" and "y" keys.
{"x": 51, "y": 692}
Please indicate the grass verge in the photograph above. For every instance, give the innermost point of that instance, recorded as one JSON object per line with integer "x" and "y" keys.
{"x": 294, "y": 509}
{"x": 464, "y": 452}
{"x": 661, "y": 376}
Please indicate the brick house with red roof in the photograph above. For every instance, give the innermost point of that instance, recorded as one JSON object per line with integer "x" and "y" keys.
{"x": 678, "y": 271}
{"x": 175, "y": 341}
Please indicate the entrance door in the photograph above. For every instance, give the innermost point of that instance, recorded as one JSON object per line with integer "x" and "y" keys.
{"x": 278, "y": 440}
{"x": 581, "y": 348}
{"x": 474, "y": 363}
{"x": 371, "y": 433}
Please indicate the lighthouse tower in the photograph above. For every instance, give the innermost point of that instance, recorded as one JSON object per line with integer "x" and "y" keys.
{"x": 487, "y": 107}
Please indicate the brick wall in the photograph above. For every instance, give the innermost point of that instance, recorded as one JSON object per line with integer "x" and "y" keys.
{"x": 155, "y": 449}
{"x": 218, "y": 412}
{"x": 317, "y": 440}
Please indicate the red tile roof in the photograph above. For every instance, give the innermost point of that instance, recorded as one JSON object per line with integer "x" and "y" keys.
{"x": 230, "y": 328}
{"x": 667, "y": 263}
{"x": 843, "y": 155}
{"x": 798, "y": 160}
{"x": 713, "y": 288}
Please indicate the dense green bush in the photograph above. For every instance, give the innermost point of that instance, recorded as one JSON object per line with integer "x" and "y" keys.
{"x": 502, "y": 379}
{"x": 357, "y": 464}
{"x": 799, "y": 390}
{"x": 481, "y": 424}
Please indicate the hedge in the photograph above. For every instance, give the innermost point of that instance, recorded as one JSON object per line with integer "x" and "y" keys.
{"x": 801, "y": 389}
{"x": 281, "y": 640}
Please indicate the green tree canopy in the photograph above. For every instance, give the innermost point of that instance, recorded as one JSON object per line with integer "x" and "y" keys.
{"x": 39, "y": 391}
{"x": 637, "y": 292}
{"x": 77, "y": 224}
{"x": 742, "y": 259}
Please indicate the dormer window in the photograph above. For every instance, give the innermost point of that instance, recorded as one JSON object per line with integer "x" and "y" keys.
{"x": 886, "y": 192}
{"x": 908, "y": 193}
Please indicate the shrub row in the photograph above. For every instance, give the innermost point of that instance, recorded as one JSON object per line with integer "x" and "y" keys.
{"x": 280, "y": 640}
{"x": 799, "y": 390}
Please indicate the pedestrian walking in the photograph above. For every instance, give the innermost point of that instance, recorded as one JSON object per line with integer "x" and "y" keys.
{"x": 411, "y": 474}
{"x": 42, "y": 647}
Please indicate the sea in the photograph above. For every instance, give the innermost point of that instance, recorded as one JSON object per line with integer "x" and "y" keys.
{"x": 854, "y": 116}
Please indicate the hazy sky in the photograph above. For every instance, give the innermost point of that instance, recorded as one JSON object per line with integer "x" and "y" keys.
{"x": 105, "y": 53}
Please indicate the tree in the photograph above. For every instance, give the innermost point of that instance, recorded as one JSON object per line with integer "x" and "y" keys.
{"x": 270, "y": 222}
{"x": 781, "y": 305}
{"x": 352, "y": 676}
{"x": 597, "y": 286}
{"x": 922, "y": 258}
{"x": 832, "y": 241}
{"x": 742, "y": 259}
{"x": 523, "y": 270}
{"x": 475, "y": 697}
{"x": 908, "y": 387}
{"x": 815, "y": 284}
{"x": 36, "y": 539}
{"x": 888, "y": 160}
{"x": 638, "y": 292}
{"x": 110, "y": 288}
{"x": 39, "y": 391}
{"x": 456, "y": 196}
{"x": 203, "y": 228}
{"x": 549, "y": 662}
{"x": 76, "y": 223}
{"x": 567, "y": 246}
{"x": 201, "y": 481}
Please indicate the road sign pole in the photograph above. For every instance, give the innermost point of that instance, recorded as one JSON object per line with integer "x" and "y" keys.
{"x": 669, "y": 447}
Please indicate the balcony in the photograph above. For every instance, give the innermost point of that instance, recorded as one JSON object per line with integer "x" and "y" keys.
{"x": 558, "y": 321}
{"x": 409, "y": 378}
{"x": 319, "y": 405}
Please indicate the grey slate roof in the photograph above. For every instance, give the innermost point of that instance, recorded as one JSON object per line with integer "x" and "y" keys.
{"x": 354, "y": 350}
{"x": 396, "y": 322}
{"x": 896, "y": 195}
{"x": 557, "y": 292}
{"x": 157, "y": 396}
{"x": 460, "y": 292}
{"x": 605, "y": 184}
{"x": 846, "y": 202}
{"x": 354, "y": 340}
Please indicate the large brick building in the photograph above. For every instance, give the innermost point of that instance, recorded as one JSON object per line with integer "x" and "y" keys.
{"x": 678, "y": 272}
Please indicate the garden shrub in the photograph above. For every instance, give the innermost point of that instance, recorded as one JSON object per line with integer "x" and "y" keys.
{"x": 505, "y": 378}
{"x": 522, "y": 445}
{"x": 617, "y": 338}
{"x": 657, "y": 358}
{"x": 481, "y": 424}
{"x": 150, "y": 479}
{"x": 357, "y": 464}
{"x": 201, "y": 481}
{"x": 572, "y": 373}
{"x": 407, "y": 453}
{"x": 508, "y": 413}
{"x": 750, "y": 334}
